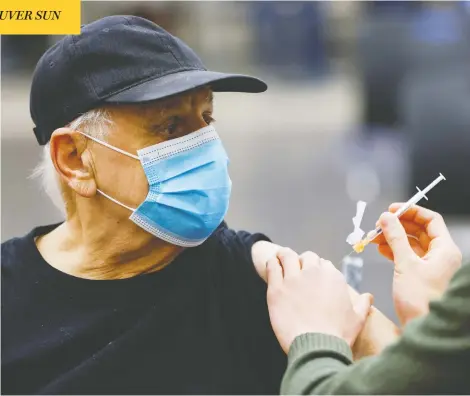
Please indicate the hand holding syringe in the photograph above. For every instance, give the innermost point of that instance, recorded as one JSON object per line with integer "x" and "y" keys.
{"x": 359, "y": 247}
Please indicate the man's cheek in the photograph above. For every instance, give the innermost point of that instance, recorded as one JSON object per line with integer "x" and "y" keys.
{"x": 138, "y": 189}
{"x": 128, "y": 184}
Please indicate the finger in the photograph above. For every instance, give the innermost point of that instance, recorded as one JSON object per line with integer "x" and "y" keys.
{"x": 395, "y": 206}
{"x": 440, "y": 240}
{"x": 396, "y": 238}
{"x": 417, "y": 247}
{"x": 415, "y": 213}
{"x": 385, "y": 251}
{"x": 289, "y": 261}
{"x": 308, "y": 260}
{"x": 419, "y": 243}
{"x": 424, "y": 241}
{"x": 442, "y": 249}
{"x": 371, "y": 298}
{"x": 432, "y": 221}
{"x": 362, "y": 307}
{"x": 362, "y": 304}
{"x": 420, "y": 237}
{"x": 274, "y": 276}
{"x": 327, "y": 264}
{"x": 412, "y": 229}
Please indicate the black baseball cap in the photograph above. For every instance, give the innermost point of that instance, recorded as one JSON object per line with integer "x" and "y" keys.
{"x": 118, "y": 59}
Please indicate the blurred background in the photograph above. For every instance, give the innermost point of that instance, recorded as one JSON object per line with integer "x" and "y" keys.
{"x": 367, "y": 100}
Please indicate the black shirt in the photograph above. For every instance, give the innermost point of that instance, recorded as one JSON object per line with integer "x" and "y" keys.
{"x": 199, "y": 326}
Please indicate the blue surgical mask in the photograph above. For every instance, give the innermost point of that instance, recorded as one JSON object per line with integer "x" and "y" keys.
{"x": 189, "y": 187}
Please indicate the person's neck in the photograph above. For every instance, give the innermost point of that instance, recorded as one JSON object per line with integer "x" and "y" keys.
{"x": 110, "y": 251}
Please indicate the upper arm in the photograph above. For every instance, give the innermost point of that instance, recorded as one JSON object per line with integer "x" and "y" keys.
{"x": 245, "y": 309}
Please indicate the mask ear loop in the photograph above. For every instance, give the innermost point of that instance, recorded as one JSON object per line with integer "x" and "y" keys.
{"x": 116, "y": 201}
{"x": 119, "y": 151}
{"x": 111, "y": 147}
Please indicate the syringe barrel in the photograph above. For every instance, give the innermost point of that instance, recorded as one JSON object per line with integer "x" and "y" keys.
{"x": 377, "y": 231}
{"x": 414, "y": 200}
{"x": 433, "y": 184}
{"x": 407, "y": 205}
{"x": 418, "y": 196}
{"x": 373, "y": 234}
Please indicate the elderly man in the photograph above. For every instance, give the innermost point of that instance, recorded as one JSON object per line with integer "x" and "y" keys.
{"x": 143, "y": 288}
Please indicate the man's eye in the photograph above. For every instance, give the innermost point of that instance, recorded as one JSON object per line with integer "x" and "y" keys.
{"x": 172, "y": 125}
{"x": 208, "y": 119}
{"x": 171, "y": 129}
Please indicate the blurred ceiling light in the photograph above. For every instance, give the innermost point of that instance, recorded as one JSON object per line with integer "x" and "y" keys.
{"x": 362, "y": 183}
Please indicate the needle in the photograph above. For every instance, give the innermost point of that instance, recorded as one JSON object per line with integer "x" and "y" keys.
{"x": 351, "y": 252}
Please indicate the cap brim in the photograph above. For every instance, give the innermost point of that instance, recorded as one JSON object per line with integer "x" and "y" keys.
{"x": 176, "y": 83}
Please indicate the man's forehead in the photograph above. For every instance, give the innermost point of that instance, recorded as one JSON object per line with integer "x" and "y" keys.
{"x": 199, "y": 95}
{"x": 152, "y": 111}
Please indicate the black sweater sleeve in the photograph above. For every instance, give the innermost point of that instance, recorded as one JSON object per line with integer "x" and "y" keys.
{"x": 246, "y": 308}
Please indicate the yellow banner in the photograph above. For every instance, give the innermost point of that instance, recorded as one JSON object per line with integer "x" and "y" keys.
{"x": 39, "y": 16}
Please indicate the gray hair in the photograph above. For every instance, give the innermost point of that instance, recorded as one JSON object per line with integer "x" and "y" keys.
{"x": 94, "y": 123}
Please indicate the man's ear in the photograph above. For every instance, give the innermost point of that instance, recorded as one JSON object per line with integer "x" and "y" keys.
{"x": 67, "y": 153}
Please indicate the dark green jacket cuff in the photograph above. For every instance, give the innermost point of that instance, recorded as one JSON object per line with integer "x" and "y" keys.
{"x": 312, "y": 342}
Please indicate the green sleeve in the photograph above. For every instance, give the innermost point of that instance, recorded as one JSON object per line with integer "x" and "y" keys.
{"x": 432, "y": 356}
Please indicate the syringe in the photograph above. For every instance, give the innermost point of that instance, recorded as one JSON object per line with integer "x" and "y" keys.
{"x": 359, "y": 247}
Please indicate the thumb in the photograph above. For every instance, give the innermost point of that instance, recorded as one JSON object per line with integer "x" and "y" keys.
{"x": 274, "y": 276}
{"x": 396, "y": 238}
{"x": 362, "y": 306}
